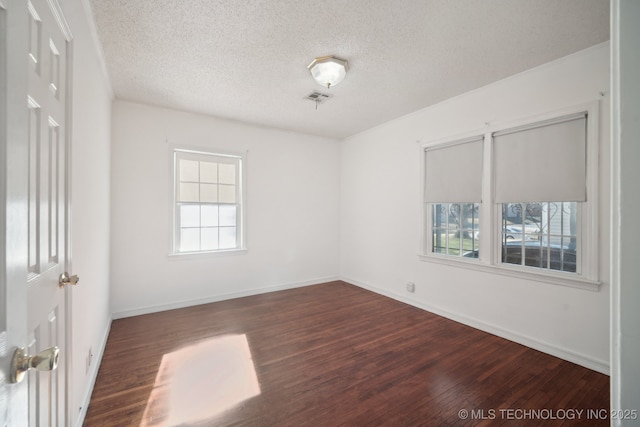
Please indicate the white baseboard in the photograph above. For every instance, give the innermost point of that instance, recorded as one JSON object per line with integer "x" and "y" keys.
{"x": 93, "y": 375}
{"x": 220, "y": 297}
{"x": 554, "y": 350}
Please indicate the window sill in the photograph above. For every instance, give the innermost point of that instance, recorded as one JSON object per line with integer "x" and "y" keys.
{"x": 562, "y": 279}
{"x": 205, "y": 254}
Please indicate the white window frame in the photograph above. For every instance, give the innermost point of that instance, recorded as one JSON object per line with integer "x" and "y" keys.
{"x": 202, "y": 153}
{"x": 426, "y": 230}
{"x": 587, "y": 258}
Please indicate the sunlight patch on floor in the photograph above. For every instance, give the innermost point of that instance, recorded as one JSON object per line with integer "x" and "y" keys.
{"x": 201, "y": 381}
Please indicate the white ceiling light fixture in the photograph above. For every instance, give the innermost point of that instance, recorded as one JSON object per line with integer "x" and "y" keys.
{"x": 328, "y": 70}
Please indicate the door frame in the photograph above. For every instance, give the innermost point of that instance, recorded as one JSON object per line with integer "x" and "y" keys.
{"x": 67, "y": 222}
{"x": 63, "y": 25}
{"x": 13, "y": 205}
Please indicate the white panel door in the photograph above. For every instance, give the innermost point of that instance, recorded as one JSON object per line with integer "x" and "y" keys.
{"x": 33, "y": 201}
{"x": 47, "y": 209}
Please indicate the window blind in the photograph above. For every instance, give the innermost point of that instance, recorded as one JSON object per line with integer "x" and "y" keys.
{"x": 542, "y": 162}
{"x": 453, "y": 173}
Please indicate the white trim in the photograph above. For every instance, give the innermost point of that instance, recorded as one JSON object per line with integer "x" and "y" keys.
{"x": 589, "y": 257}
{"x": 242, "y": 157}
{"x": 93, "y": 375}
{"x": 452, "y": 143}
{"x": 521, "y": 272}
{"x": 538, "y": 124}
{"x": 56, "y": 11}
{"x": 68, "y": 155}
{"x": 204, "y": 254}
{"x": 68, "y": 255}
{"x": 207, "y": 152}
{"x": 4, "y": 114}
{"x": 423, "y": 240}
{"x": 554, "y": 350}
{"x": 615, "y": 267}
{"x": 220, "y": 297}
{"x": 488, "y": 250}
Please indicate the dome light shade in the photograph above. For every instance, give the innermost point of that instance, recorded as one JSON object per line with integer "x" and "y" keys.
{"x": 328, "y": 70}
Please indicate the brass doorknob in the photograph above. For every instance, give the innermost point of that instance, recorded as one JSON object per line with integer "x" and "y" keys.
{"x": 46, "y": 360}
{"x": 65, "y": 280}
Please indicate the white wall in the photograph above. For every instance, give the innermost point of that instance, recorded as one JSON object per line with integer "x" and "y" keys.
{"x": 91, "y": 139}
{"x": 380, "y": 214}
{"x": 625, "y": 313}
{"x": 292, "y": 211}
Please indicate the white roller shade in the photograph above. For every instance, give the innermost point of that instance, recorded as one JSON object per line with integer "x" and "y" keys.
{"x": 453, "y": 173}
{"x": 542, "y": 162}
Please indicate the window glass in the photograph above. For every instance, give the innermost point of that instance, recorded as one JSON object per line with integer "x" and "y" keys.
{"x": 542, "y": 235}
{"x": 456, "y": 229}
{"x": 228, "y": 237}
{"x": 210, "y": 239}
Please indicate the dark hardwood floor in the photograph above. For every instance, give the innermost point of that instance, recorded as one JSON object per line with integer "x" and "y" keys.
{"x": 331, "y": 355}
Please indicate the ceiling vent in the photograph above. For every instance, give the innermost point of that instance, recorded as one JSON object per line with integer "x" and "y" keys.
{"x": 318, "y": 97}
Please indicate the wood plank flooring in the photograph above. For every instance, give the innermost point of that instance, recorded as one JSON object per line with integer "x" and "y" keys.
{"x": 331, "y": 355}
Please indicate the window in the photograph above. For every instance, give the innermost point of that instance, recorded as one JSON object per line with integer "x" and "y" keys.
{"x": 456, "y": 229}
{"x": 541, "y": 178}
{"x": 453, "y": 189}
{"x": 208, "y": 207}
{"x": 542, "y": 235}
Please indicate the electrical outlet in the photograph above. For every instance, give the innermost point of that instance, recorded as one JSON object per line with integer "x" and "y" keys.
{"x": 411, "y": 287}
{"x": 88, "y": 361}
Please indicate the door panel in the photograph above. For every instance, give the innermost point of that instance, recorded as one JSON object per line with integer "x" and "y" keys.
{"x": 46, "y": 70}
{"x": 34, "y": 73}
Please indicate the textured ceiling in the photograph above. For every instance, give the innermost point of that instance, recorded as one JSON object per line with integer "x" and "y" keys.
{"x": 247, "y": 59}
